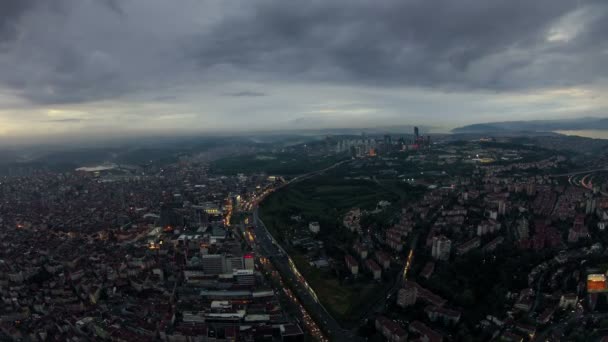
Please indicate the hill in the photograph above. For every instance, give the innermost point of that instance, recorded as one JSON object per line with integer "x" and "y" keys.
{"x": 535, "y": 126}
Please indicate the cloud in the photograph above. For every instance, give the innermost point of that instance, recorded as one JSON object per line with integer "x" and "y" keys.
{"x": 66, "y": 120}
{"x": 10, "y": 14}
{"x": 444, "y": 44}
{"x": 246, "y": 94}
{"x": 406, "y": 59}
{"x": 115, "y": 6}
{"x": 78, "y": 51}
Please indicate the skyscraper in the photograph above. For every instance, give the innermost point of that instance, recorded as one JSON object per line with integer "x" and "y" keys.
{"x": 387, "y": 139}
{"x": 388, "y": 142}
{"x": 401, "y": 143}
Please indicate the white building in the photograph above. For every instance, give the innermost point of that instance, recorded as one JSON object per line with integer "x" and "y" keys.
{"x": 314, "y": 227}
{"x": 488, "y": 227}
{"x": 568, "y": 301}
{"x": 249, "y": 261}
{"x": 442, "y": 246}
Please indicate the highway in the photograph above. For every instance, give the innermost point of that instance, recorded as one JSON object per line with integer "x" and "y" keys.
{"x": 307, "y": 295}
{"x": 283, "y": 263}
{"x": 308, "y": 175}
{"x": 574, "y": 173}
{"x": 586, "y": 181}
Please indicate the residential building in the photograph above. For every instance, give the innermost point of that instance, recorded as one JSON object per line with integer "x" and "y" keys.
{"x": 441, "y": 248}
{"x": 314, "y": 227}
{"x": 407, "y": 296}
{"x": 390, "y": 330}
{"x": 352, "y": 264}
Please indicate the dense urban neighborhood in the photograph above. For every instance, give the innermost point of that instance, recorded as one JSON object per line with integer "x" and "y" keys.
{"x": 419, "y": 238}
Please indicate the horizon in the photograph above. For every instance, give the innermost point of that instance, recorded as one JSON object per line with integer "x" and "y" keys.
{"x": 106, "y": 139}
{"x": 265, "y": 66}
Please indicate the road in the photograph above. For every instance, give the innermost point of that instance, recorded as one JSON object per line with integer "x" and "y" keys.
{"x": 574, "y": 173}
{"x": 308, "y": 175}
{"x": 584, "y": 182}
{"x": 283, "y": 263}
{"x": 537, "y": 291}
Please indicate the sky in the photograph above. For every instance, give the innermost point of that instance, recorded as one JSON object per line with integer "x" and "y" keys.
{"x": 112, "y": 67}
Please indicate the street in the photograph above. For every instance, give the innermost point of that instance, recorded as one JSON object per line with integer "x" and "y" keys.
{"x": 306, "y": 295}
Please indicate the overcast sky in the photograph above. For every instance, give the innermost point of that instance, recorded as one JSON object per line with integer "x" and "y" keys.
{"x": 99, "y": 66}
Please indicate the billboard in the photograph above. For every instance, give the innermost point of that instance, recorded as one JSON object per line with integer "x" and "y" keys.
{"x": 596, "y": 283}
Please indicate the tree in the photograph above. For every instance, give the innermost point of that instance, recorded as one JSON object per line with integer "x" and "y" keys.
{"x": 466, "y": 299}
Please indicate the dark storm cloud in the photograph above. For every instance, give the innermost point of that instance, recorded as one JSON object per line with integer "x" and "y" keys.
{"x": 114, "y": 5}
{"x": 450, "y": 44}
{"x": 246, "y": 94}
{"x": 41, "y": 63}
{"x": 72, "y": 51}
{"x": 10, "y": 13}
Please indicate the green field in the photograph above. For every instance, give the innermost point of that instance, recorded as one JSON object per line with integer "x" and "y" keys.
{"x": 326, "y": 199}
{"x": 345, "y": 302}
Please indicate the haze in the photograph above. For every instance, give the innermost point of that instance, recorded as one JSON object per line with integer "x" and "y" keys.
{"x": 105, "y": 68}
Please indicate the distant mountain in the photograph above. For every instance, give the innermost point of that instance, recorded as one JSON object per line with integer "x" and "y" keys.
{"x": 479, "y": 128}
{"x": 535, "y": 126}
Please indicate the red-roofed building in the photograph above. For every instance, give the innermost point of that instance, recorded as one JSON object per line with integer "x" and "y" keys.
{"x": 373, "y": 267}
{"x": 448, "y": 316}
{"x": 422, "y": 294}
{"x": 390, "y": 330}
{"x": 383, "y": 259}
{"x": 546, "y": 316}
{"x": 468, "y": 246}
{"x": 351, "y": 264}
{"x": 578, "y": 230}
{"x": 428, "y": 270}
{"x": 407, "y": 295}
{"x": 425, "y": 332}
{"x": 360, "y": 250}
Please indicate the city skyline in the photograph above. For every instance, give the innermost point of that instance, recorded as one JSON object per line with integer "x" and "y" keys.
{"x": 112, "y": 68}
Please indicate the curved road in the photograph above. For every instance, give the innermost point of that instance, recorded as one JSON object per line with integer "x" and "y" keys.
{"x": 574, "y": 173}
{"x": 573, "y": 179}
